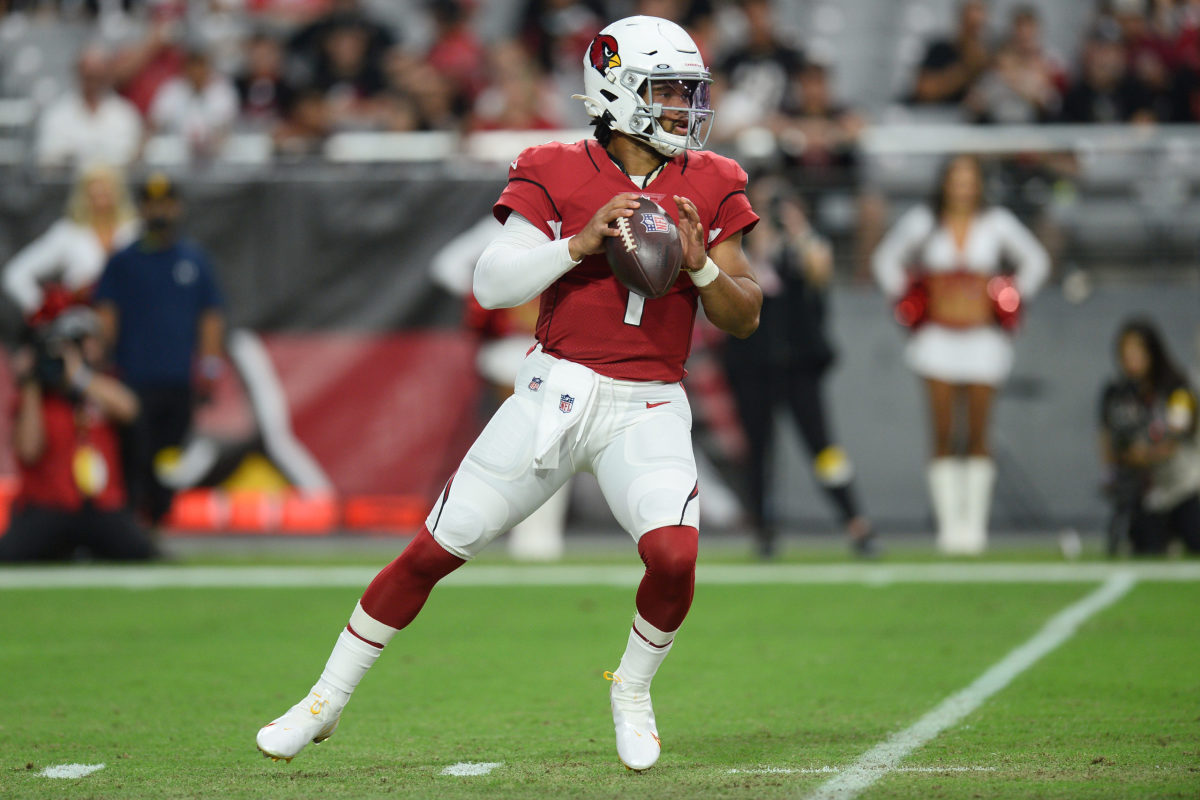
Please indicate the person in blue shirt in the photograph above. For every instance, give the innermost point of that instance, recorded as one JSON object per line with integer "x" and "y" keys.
{"x": 162, "y": 315}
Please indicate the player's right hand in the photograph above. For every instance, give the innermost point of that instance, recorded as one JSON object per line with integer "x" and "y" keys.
{"x": 591, "y": 239}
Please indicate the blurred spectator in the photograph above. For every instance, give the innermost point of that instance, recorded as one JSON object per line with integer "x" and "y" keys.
{"x": 359, "y": 47}
{"x": 1025, "y": 83}
{"x": 350, "y": 77}
{"x": 262, "y": 91}
{"x": 1105, "y": 91}
{"x": 519, "y": 97}
{"x": 420, "y": 98}
{"x": 1177, "y": 25}
{"x": 91, "y": 123}
{"x": 99, "y": 219}
{"x": 783, "y": 365}
{"x": 1176, "y": 28}
{"x": 1149, "y": 441}
{"x": 287, "y": 13}
{"x": 942, "y": 263}
{"x": 456, "y": 52}
{"x": 161, "y": 313}
{"x": 697, "y": 17}
{"x": 754, "y": 79}
{"x": 143, "y": 66}
{"x": 222, "y": 27}
{"x": 556, "y": 32}
{"x": 72, "y": 493}
{"x": 200, "y": 105}
{"x": 1187, "y": 75}
{"x": 951, "y": 67}
{"x": 819, "y": 133}
{"x": 305, "y": 126}
{"x": 1149, "y": 53}
{"x": 819, "y": 138}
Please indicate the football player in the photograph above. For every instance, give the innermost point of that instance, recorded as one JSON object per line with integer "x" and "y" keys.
{"x": 600, "y": 392}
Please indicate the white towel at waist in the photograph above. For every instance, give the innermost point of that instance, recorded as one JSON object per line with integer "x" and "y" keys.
{"x": 566, "y": 399}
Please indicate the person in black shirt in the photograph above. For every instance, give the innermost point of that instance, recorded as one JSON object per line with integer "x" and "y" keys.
{"x": 785, "y": 362}
{"x": 1148, "y": 441}
{"x": 755, "y": 78}
{"x": 951, "y": 67}
{"x": 261, "y": 88}
{"x": 1105, "y": 92}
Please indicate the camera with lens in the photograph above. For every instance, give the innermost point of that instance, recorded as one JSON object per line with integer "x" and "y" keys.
{"x": 68, "y": 330}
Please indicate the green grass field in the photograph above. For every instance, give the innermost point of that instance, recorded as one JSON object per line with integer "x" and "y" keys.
{"x": 771, "y": 687}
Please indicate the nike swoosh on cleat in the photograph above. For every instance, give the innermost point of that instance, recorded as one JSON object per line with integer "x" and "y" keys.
{"x": 656, "y": 405}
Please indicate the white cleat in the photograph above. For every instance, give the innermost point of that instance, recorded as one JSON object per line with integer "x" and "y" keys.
{"x": 313, "y": 719}
{"x": 638, "y": 745}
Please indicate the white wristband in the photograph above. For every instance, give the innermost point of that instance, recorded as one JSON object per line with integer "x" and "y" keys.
{"x": 705, "y": 275}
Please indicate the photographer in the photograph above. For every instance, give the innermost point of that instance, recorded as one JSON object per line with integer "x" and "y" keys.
{"x": 1148, "y": 441}
{"x": 784, "y": 365}
{"x": 72, "y": 493}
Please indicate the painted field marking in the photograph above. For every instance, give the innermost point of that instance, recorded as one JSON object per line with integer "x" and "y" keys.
{"x": 70, "y": 770}
{"x": 486, "y": 575}
{"x": 833, "y": 770}
{"x": 886, "y": 756}
{"x": 465, "y": 768}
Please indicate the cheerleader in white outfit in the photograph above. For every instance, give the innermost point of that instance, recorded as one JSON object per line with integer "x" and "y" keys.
{"x": 942, "y": 263}
{"x": 99, "y": 220}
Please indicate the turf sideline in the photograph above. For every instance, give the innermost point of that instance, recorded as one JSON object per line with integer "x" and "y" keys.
{"x": 169, "y": 577}
{"x": 886, "y": 756}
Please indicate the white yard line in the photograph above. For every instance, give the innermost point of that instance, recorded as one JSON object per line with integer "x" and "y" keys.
{"x": 166, "y": 577}
{"x": 886, "y": 756}
{"x": 70, "y": 770}
{"x": 466, "y": 768}
{"x": 834, "y": 770}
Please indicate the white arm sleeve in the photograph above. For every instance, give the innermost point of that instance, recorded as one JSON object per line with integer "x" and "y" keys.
{"x": 893, "y": 253}
{"x": 39, "y": 259}
{"x": 1031, "y": 259}
{"x": 519, "y": 264}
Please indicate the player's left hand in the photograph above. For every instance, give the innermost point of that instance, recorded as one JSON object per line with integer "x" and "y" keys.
{"x": 691, "y": 234}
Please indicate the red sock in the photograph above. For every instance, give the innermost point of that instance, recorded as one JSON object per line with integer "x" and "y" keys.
{"x": 665, "y": 594}
{"x": 398, "y": 592}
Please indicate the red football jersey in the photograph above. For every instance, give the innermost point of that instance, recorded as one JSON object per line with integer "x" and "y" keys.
{"x": 587, "y": 316}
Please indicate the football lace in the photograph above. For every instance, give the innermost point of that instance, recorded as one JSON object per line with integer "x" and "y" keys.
{"x": 626, "y": 234}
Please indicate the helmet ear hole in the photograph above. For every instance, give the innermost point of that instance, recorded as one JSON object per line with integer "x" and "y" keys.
{"x": 607, "y": 95}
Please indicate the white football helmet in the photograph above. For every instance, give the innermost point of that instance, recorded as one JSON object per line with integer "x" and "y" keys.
{"x": 639, "y": 68}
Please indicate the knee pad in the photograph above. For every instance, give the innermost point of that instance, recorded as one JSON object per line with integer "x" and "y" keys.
{"x": 832, "y": 467}
{"x": 469, "y": 515}
{"x": 670, "y": 552}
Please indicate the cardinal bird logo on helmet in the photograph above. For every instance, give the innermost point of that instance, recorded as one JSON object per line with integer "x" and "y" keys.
{"x": 603, "y": 53}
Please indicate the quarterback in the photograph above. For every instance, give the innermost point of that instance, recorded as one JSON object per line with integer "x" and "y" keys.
{"x": 600, "y": 391}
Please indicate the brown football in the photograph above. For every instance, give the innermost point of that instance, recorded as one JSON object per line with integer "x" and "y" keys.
{"x": 647, "y": 253}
